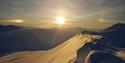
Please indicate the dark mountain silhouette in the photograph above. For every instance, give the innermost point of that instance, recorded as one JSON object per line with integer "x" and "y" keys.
{"x": 118, "y": 26}
{"x": 33, "y": 39}
{"x": 90, "y": 32}
{"x": 4, "y": 28}
{"x": 115, "y": 34}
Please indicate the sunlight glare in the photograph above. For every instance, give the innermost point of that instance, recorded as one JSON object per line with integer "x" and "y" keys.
{"x": 60, "y": 20}
{"x": 17, "y": 21}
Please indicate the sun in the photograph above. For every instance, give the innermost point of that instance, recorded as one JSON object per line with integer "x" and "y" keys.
{"x": 60, "y": 20}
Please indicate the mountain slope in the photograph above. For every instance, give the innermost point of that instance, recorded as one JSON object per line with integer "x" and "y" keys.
{"x": 60, "y": 54}
{"x": 115, "y": 34}
{"x": 117, "y": 26}
{"x": 33, "y": 39}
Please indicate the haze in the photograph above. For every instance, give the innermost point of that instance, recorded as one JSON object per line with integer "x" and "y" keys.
{"x": 43, "y": 13}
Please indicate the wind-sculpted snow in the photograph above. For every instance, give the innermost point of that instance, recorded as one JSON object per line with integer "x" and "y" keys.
{"x": 63, "y": 53}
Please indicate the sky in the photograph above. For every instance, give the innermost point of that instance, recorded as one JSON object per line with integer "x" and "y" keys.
{"x": 78, "y": 11}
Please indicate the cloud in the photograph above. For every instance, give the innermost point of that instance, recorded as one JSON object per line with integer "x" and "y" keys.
{"x": 73, "y": 9}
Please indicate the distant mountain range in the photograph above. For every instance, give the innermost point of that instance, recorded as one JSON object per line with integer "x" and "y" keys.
{"x": 4, "y": 28}
{"x": 115, "y": 34}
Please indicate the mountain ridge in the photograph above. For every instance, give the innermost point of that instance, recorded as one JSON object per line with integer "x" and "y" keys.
{"x": 115, "y": 34}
